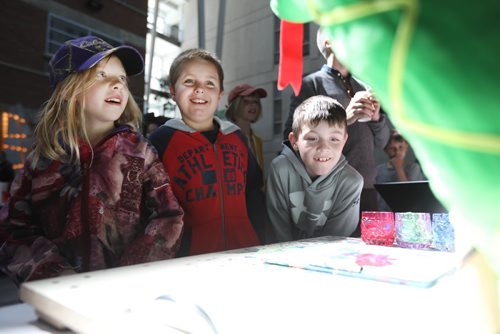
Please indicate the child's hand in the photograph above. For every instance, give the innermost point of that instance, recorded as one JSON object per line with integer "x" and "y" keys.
{"x": 398, "y": 162}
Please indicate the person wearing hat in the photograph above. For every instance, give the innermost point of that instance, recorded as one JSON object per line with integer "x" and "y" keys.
{"x": 93, "y": 193}
{"x": 244, "y": 109}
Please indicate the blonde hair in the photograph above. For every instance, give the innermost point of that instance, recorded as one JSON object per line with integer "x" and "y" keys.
{"x": 236, "y": 106}
{"x": 62, "y": 121}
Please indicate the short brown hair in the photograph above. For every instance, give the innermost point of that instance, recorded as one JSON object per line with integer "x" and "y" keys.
{"x": 190, "y": 55}
{"x": 316, "y": 109}
{"x": 395, "y": 137}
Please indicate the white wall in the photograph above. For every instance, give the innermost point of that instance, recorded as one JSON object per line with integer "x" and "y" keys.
{"x": 248, "y": 57}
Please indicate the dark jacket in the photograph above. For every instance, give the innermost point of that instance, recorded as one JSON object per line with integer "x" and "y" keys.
{"x": 6, "y": 172}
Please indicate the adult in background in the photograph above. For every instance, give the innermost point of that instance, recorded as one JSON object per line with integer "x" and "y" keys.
{"x": 367, "y": 125}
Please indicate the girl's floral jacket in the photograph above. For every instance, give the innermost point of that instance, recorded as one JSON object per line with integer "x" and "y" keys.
{"x": 115, "y": 208}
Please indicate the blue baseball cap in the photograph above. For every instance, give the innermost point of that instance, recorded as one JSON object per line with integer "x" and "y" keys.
{"x": 80, "y": 54}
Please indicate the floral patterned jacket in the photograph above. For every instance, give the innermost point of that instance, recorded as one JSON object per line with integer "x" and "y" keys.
{"x": 116, "y": 208}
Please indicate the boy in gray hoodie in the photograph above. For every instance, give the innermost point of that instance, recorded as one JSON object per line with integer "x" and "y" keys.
{"x": 311, "y": 189}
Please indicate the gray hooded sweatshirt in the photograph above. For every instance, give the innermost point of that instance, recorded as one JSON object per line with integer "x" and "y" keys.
{"x": 301, "y": 208}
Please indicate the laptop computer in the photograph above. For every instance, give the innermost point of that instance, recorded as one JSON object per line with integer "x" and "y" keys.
{"x": 411, "y": 196}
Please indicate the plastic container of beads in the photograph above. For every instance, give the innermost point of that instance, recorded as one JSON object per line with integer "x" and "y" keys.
{"x": 413, "y": 229}
{"x": 443, "y": 233}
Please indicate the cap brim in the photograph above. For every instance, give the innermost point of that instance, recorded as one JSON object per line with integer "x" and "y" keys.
{"x": 132, "y": 60}
{"x": 261, "y": 92}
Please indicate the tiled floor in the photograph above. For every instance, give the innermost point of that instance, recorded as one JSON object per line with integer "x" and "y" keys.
{"x": 9, "y": 293}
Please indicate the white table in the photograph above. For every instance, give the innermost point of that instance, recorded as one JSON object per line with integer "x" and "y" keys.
{"x": 237, "y": 293}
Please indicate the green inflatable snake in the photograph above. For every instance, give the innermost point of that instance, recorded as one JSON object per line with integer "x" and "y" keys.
{"x": 434, "y": 67}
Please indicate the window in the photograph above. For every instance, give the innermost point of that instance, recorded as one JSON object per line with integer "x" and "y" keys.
{"x": 277, "y": 114}
{"x": 276, "y": 39}
{"x": 167, "y": 23}
{"x": 305, "y": 43}
{"x": 129, "y": 4}
{"x": 61, "y": 30}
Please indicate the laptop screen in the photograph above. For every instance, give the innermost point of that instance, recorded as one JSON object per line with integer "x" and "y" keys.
{"x": 412, "y": 196}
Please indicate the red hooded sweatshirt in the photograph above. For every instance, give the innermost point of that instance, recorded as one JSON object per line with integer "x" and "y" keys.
{"x": 217, "y": 184}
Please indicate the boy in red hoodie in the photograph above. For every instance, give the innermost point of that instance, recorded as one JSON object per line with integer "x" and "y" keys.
{"x": 214, "y": 175}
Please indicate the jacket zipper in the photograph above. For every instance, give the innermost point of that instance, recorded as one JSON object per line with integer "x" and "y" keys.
{"x": 85, "y": 201}
{"x": 219, "y": 181}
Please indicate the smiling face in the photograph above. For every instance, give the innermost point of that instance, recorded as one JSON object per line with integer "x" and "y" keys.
{"x": 250, "y": 109}
{"x": 197, "y": 92}
{"x": 320, "y": 147}
{"x": 107, "y": 98}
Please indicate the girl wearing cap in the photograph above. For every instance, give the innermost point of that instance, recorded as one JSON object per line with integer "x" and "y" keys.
{"x": 244, "y": 109}
{"x": 93, "y": 193}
